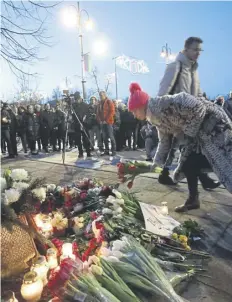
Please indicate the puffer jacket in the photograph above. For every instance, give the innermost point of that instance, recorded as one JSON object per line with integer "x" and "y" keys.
{"x": 181, "y": 76}
{"x": 106, "y": 112}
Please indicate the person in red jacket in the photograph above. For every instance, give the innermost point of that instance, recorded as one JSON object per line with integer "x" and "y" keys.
{"x": 105, "y": 116}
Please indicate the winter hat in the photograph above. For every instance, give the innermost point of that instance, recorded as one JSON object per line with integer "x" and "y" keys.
{"x": 138, "y": 98}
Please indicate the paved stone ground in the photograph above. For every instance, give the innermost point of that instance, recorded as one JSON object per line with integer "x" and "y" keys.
{"x": 214, "y": 216}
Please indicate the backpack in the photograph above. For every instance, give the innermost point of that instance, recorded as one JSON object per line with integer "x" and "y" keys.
{"x": 177, "y": 79}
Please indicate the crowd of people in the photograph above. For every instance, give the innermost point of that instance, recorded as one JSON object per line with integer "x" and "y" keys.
{"x": 75, "y": 124}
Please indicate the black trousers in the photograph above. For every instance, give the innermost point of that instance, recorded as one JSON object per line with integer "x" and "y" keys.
{"x": 82, "y": 141}
{"x": 192, "y": 169}
{"x": 23, "y": 140}
{"x": 32, "y": 145}
{"x": 13, "y": 142}
{"x": 6, "y": 136}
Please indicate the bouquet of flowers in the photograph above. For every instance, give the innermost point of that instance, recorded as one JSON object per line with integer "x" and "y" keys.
{"x": 128, "y": 170}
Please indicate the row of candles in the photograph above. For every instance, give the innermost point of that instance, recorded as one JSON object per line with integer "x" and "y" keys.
{"x": 35, "y": 280}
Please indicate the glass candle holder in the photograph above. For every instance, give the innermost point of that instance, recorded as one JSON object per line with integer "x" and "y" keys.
{"x": 9, "y": 296}
{"x": 52, "y": 258}
{"x": 32, "y": 287}
{"x": 164, "y": 208}
{"x": 46, "y": 226}
{"x": 41, "y": 267}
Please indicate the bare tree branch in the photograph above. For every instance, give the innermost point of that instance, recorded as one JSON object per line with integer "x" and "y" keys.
{"x": 23, "y": 32}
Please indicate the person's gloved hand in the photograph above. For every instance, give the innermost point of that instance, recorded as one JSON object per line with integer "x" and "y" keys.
{"x": 165, "y": 179}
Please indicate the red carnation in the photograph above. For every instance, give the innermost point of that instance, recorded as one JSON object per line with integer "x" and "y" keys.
{"x": 93, "y": 215}
{"x": 83, "y": 195}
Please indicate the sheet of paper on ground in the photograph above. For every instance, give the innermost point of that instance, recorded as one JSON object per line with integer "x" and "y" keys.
{"x": 156, "y": 222}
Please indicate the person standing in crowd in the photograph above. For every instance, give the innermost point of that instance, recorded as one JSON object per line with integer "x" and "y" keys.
{"x": 117, "y": 122}
{"x": 94, "y": 126}
{"x": 22, "y": 127}
{"x": 13, "y": 129}
{"x": 59, "y": 123}
{"x": 182, "y": 76}
{"x": 5, "y": 129}
{"x": 150, "y": 136}
{"x": 105, "y": 116}
{"x": 71, "y": 129}
{"x": 32, "y": 126}
{"x": 38, "y": 112}
{"x": 81, "y": 109}
{"x": 208, "y": 136}
{"x": 46, "y": 126}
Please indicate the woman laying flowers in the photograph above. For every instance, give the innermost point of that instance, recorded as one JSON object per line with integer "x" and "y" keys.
{"x": 207, "y": 131}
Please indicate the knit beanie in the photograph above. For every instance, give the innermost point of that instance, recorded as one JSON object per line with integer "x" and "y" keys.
{"x": 138, "y": 98}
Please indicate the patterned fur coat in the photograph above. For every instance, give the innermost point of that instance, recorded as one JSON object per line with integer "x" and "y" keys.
{"x": 202, "y": 124}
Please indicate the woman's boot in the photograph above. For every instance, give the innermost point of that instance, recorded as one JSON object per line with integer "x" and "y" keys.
{"x": 193, "y": 200}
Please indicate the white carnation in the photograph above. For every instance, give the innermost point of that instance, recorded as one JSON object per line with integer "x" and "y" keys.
{"x": 117, "y": 193}
{"x": 20, "y": 185}
{"x": 110, "y": 199}
{"x": 51, "y": 187}
{"x": 107, "y": 211}
{"x": 40, "y": 193}
{"x": 3, "y": 184}
{"x": 11, "y": 195}
{"x": 119, "y": 216}
{"x": 19, "y": 174}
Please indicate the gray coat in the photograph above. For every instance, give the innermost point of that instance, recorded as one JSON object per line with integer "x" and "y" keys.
{"x": 180, "y": 76}
{"x": 203, "y": 123}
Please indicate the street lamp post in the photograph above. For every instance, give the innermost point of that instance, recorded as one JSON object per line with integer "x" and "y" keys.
{"x": 116, "y": 76}
{"x": 166, "y": 53}
{"x": 83, "y": 81}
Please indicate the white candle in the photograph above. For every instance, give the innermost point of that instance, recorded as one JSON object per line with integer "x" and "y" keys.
{"x": 41, "y": 267}
{"x": 164, "y": 208}
{"x": 67, "y": 249}
{"x": 32, "y": 287}
{"x": 10, "y": 297}
{"x": 52, "y": 258}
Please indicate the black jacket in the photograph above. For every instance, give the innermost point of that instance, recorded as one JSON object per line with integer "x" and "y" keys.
{"x": 21, "y": 123}
{"x": 5, "y": 115}
{"x": 47, "y": 120}
{"x": 81, "y": 110}
{"x": 32, "y": 125}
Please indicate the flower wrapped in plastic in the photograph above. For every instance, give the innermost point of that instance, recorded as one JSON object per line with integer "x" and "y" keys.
{"x": 128, "y": 170}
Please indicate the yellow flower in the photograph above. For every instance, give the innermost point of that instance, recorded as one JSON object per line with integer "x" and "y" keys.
{"x": 81, "y": 219}
{"x": 183, "y": 238}
{"x": 184, "y": 244}
{"x": 174, "y": 236}
{"x": 188, "y": 248}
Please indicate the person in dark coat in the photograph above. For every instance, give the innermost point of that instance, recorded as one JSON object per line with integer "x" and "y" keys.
{"x": 47, "y": 127}
{"x": 38, "y": 112}
{"x": 93, "y": 125}
{"x": 5, "y": 129}
{"x": 13, "y": 130}
{"x": 22, "y": 127}
{"x": 81, "y": 109}
{"x": 32, "y": 125}
{"x": 59, "y": 124}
